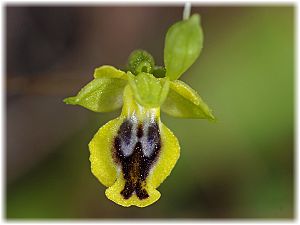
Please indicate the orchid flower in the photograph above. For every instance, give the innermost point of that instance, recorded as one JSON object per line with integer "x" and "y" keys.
{"x": 134, "y": 153}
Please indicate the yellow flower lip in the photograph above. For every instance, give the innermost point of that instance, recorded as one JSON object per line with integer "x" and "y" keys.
{"x": 133, "y": 154}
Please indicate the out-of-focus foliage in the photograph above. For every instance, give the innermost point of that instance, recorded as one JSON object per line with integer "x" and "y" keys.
{"x": 242, "y": 166}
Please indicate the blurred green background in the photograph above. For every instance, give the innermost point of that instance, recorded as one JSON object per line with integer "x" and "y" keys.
{"x": 240, "y": 167}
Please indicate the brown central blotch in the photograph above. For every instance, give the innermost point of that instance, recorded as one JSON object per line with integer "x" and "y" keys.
{"x": 136, "y": 166}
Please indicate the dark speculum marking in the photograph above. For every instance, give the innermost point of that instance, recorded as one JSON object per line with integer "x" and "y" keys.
{"x": 136, "y": 148}
{"x": 125, "y": 131}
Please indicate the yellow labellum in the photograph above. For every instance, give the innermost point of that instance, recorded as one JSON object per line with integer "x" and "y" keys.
{"x": 133, "y": 154}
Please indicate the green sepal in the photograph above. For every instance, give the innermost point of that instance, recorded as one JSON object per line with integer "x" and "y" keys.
{"x": 103, "y": 94}
{"x": 184, "y": 102}
{"x": 183, "y": 44}
{"x": 148, "y": 91}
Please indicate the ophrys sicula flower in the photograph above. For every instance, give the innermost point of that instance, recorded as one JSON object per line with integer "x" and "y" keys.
{"x": 134, "y": 153}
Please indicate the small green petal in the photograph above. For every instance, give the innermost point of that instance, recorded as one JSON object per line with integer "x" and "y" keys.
{"x": 182, "y": 101}
{"x": 148, "y": 90}
{"x": 183, "y": 44}
{"x": 109, "y": 72}
{"x": 100, "y": 95}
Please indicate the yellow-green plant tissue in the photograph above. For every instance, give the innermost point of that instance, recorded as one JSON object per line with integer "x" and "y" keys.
{"x": 134, "y": 153}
